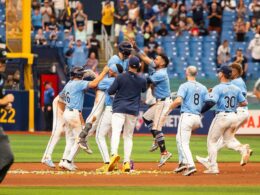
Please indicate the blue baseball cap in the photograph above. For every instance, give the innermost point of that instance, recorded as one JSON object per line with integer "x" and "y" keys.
{"x": 226, "y": 70}
{"x": 134, "y": 62}
{"x": 113, "y": 67}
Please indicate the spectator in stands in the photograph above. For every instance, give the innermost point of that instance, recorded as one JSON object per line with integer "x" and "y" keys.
{"x": 228, "y": 5}
{"x": 203, "y": 31}
{"x": 197, "y": 11}
{"x": 35, "y": 4}
{"x": 108, "y": 16}
{"x": 16, "y": 79}
{"x": 254, "y": 47}
{"x": 9, "y": 82}
{"x": 37, "y": 19}
{"x": 94, "y": 45}
{"x": 53, "y": 24}
{"x": 46, "y": 12}
{"x": 152, "y": 46}
{"x": 79, "y": 16}
{"x": 159, "y": 50}
{"x": 40, "y": 38}
{"x": 79, "y": 53}
{"x": 80, "y": 31}
{"x": 53, "y": 34}
{"x": 241, "y": 9}
{"x": 182, "y": 26}
{"x": 240, "y": 29}
{"x": 121, "y": 16}
{"x": 241, "y": 59}
{"x": 129, "y": 31}
{"x": 59, "y": 7}
{"x": 91, "y": 62}
{"x": 67, "y": 22}
{"x": 133, "y": 12}
{"x": 215, "y": 17}
{"x": 254, "y": 7}
{"x": 174, "y": 24}
{"x": 194, "y": 31}
{"x": 163, "y": 30}
{"x": 47, "y": 108}
{"x": 253, "y": 25}
{"x": 223, "y": 54}
{"x": 172, "y": 12}
{"x": 148, "y": 14}
{"x": 182, "y": 13}
{"x": 161, "y": 16}
{"x": 147, "y": 29}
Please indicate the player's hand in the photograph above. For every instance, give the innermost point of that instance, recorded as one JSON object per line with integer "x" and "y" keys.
{"x": 9, "y": 98}
{"x": 9, "y": 106}
{"x": 209, "y": 90}
{"x": 105, "y": 69}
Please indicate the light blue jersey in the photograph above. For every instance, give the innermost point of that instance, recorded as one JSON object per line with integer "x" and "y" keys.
{"x": 194, "y": 95}
{"x": 74, "y": 93}
{"x": 104, "y": 85}
{"x": 239, "y": 82}
{"x": 226, "y": 96}
{"x": 161, "y": 82}
{"x": 116, "y": 60}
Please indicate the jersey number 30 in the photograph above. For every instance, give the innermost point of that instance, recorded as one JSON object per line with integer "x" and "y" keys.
{"x": 230, "y": 102}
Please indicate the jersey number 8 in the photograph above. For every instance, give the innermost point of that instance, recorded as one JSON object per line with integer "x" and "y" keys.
{"x": 196, "y": 99}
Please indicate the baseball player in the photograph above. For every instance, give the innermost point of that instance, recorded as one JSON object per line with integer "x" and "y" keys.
{"x": 242, "y": 114}
{"x": 74, "y": 96}
{"x": 58, "y": 105}
{"x": 125, "y": 49}
{"x": 127, "y": 89}
{"x": 104, "y": 127}
{"x": 191, "y": 96}
{"x": 154, "y": 117}
{"x": 226, "y": 97}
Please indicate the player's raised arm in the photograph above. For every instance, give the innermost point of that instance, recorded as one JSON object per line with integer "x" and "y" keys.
{"x": 95, "y": 82}
{"x": 141, "y": 54}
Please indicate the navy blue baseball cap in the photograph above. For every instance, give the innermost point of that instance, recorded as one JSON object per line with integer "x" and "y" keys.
{"x": 226, "y": 70}
{"x": 134, "y": 62}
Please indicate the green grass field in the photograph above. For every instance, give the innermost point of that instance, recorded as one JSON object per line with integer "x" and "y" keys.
{"x": 30, "y": 148}
{"x": 130, "y": 190}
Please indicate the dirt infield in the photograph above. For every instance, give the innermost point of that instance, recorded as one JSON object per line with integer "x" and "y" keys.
{"x": 146, "y": 174}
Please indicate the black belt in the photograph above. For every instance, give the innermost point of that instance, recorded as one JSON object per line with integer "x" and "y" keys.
{"x": 162, "y": 99}
{"x": 225, "y": 112}
{"x": 70, "y": 109}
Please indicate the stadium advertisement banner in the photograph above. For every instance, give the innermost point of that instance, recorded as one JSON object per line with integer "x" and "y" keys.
{"x": 252, "y": 126}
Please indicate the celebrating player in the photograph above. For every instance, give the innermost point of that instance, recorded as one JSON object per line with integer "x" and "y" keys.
{"x": 154, "y": 117}
{"x": 125, "y": 49}
{"x": 127, "y": 88}
{"x": 74, "y": 96}
{"x": 226, "y": 96}
{"x": 191, "y": 96}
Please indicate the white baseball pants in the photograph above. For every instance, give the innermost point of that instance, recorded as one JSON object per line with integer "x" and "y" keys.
{"x": 125, "y": 122}
{"x": 74, "y": 127}
{"x": 223, "y": 125}
{"x": 57, "y": 128}
{"x": 187, "y": 123}
{"x": 96, "y": 111}
{"x": 157, "y": 112}
{"x": 104, "y": 128}
{"x": 242, "y": 116}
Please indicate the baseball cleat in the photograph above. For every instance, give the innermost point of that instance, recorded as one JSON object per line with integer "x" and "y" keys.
{"x": 246, "y": 155}
{"x": 103, "y": 169}
{"x": 74, "y": 166}
{"x": 189, "y": 171}
{"x": 61, "y": 163}
{"x": 180, "y": 168}
{"x": 211, "y": 171}
{"x": 84, "y": 145}
{"x": 68, "y": 166}
{"x": 203, "y": 161}
{"x": 164, "y": 157}
{"x": 126, "y": 167}
{"x": 154, "y": 147}
{"x": 113, "y": 162}
{"x": 49, "y": 163}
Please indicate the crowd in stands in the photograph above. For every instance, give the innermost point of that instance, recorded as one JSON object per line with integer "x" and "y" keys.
{"x": 222, "y": 29}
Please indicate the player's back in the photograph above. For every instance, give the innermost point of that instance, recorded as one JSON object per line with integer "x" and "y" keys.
{"x": 227, "y": 96}
{"x": 239, "y": 82}
{"x": 194, "y": 95}
{"x": 74, "y": 93}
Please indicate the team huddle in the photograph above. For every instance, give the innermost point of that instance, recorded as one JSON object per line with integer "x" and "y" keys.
{"x": 118, "y": 95}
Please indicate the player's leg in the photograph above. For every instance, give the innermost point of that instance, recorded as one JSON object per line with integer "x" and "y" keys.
{"x": 128, "y": 132}
{"x": 159, "y": 120}
{"x": 6, "y": 155}
{"x": 57, "y": 130}
{"x": 182, "y": 163}
{"x": 103, "y": 128}
{"x": 118, "y": 121}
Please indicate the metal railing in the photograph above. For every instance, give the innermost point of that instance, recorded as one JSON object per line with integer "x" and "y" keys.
{"x": 106, "y": 44}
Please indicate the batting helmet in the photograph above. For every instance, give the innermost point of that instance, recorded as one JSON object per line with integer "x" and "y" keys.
{"x": 89, "y": 75}
{"x": 77, "y": 72}
{"x": 125, "y": 48}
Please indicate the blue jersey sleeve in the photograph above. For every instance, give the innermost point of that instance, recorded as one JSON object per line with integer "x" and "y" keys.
{"x": 83, "y": 85}
{"x": 182, "y": 91}
{"x": 240, "y": 97}
{"x": 157, "y": 77}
